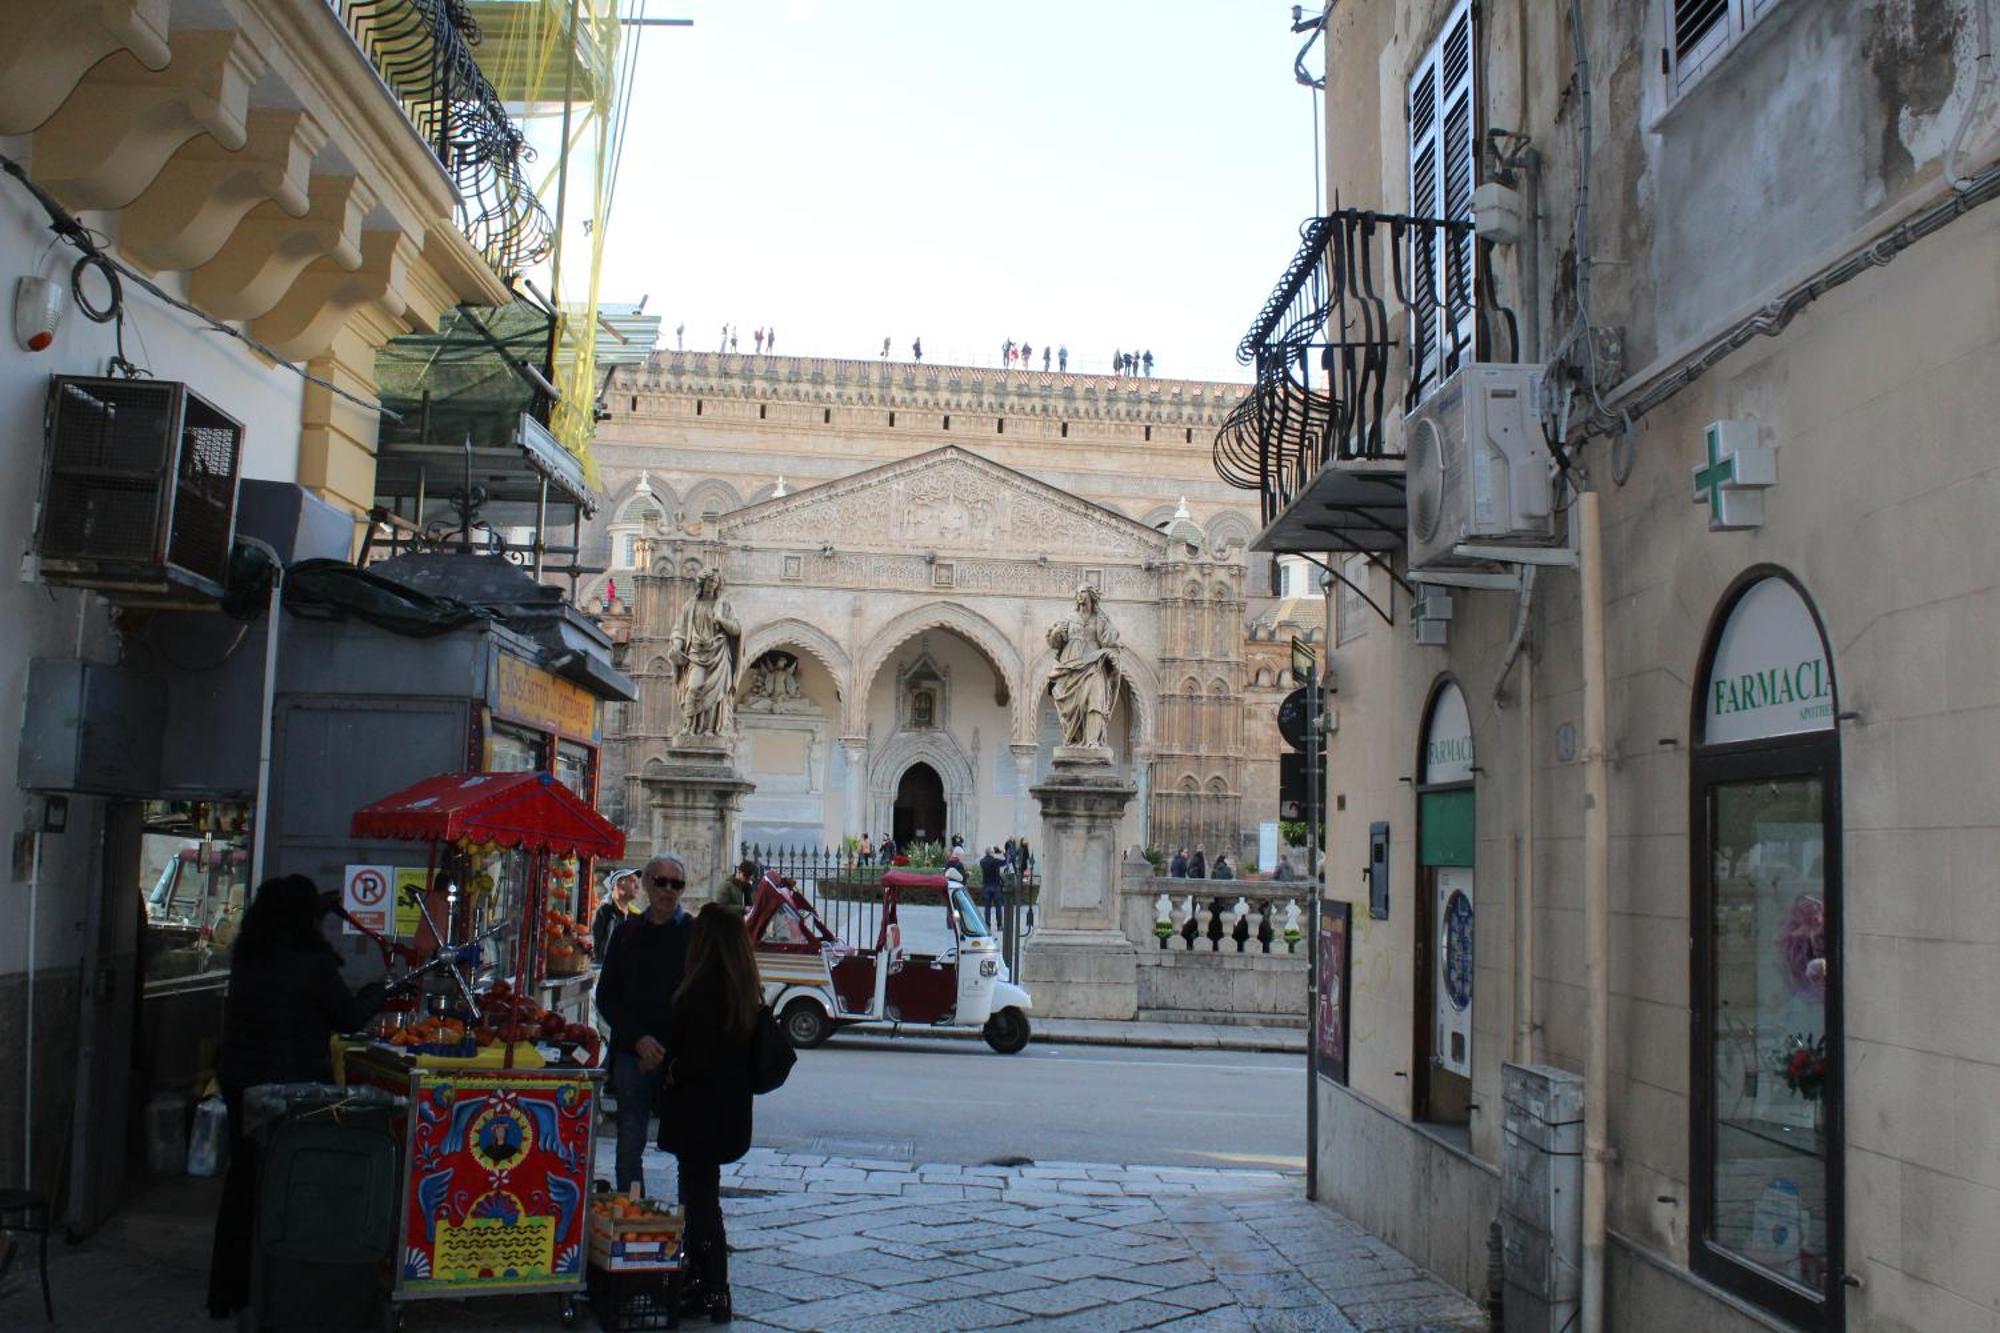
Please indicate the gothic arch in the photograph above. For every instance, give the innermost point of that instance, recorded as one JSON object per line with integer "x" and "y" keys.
{"x": 969, "y": 625}
{"x": 811, "y": 640}
{"x": 630, "y": 506}
{"x": 1159, "y": 516}
{"x": 1227, "y": 529}
{"x": 887, "y": 764}
{"x": 710, "y": 494}
{"x": 1141, "y": 682}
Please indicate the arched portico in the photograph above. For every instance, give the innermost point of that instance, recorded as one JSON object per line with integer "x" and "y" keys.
{"x": 891, "y": 763}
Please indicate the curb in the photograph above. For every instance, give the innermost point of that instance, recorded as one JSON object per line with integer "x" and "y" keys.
{"x": 1250, "y": 1043}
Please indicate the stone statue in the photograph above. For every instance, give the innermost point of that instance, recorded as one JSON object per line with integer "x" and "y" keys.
{"x": 705, "y": 650}
{"x": 1085, "y": 679}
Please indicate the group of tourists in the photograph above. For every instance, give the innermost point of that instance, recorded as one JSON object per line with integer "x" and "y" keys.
{"x": 1020, "y": 356}
{"x": 1132, "y": 363}
{"x": 1198, "y": 866}
{"x": 691, "y": 1042}
{"x": 762, "y": 340}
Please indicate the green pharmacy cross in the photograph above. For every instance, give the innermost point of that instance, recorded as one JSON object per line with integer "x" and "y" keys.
{"x": 1733, "y": 480}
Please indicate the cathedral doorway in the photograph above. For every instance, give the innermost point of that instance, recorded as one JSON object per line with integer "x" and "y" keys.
{"x": 920, "y": 809}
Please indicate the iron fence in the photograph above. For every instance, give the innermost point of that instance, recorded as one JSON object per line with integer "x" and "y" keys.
{"x": 846, "y": 890}
{"x": 423, "y": 49}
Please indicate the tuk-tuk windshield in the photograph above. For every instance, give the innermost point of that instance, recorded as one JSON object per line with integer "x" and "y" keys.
{"x": 971, "y": 923}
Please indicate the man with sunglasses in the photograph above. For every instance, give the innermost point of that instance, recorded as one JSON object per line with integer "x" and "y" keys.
{"x": 635, "y": 994}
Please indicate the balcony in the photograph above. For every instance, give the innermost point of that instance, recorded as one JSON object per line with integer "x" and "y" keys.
{"x": 1374, "y": 311}
{"x": 424, "y": 50}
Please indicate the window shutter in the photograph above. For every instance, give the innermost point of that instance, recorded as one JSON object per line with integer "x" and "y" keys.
{"x": 1444, "y": 167}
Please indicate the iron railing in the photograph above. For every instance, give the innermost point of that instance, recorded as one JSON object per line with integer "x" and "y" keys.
{"x": 423, "y": 49}
{"x": 845, "y": 889}
{"x": 1368, "y": 299}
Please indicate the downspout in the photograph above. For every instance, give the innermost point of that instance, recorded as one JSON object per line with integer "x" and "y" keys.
{"x": 1524, "y": 862}
{"x": 1596, "y": 911}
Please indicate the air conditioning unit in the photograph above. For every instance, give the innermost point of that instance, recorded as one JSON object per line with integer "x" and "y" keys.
{"x": 1479, "y": 470}
{"x": 139, "y": 481}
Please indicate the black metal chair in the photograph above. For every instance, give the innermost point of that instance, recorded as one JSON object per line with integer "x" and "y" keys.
{"x": 25, "y": 1210}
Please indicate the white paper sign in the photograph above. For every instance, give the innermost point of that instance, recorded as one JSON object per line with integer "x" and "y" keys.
{"x": 369, "y": 895}
{"x": 1770, "y": 675}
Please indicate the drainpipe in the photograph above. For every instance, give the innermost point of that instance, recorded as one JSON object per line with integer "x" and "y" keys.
{"x": 1518, "y": 651}
{"x": 1596, "y": 912}
{"x": 261, "y": 816}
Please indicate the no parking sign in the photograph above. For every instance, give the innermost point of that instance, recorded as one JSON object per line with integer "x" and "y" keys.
{"x": 365, "y": 894}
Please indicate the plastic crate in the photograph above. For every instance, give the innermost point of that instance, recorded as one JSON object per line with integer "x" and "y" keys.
{"x": 634, "y": 1300}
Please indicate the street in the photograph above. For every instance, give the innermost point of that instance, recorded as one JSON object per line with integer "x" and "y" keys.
{"x": 933, "y": 1100}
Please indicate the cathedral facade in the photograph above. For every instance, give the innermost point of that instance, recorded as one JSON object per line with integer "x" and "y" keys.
{"x": 894, "y": 541}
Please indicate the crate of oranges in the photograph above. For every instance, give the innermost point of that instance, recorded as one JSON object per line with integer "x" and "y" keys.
{"x": 629, "y": 1233}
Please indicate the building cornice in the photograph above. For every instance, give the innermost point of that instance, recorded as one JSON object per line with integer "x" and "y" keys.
{"x": 887, "y": 385}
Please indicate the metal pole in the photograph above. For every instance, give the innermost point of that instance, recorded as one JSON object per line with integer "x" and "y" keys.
{"x": 562, "y": 193}
{"x": 541, "y": 521}
{"x": 261, "y": 817}
{"x": 1596, "y": 913}
{"x": 1312, "y": 940}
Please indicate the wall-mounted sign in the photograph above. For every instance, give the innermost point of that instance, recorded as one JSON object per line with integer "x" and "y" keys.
{"x": 525, "y": 693}
{"x": 1733, "y": 475}
{"x": 364, "y": 896}
{"x": 1448, "y": 755}
{"x": 1771, "y": 674}
{"x": 1336, "y": 951}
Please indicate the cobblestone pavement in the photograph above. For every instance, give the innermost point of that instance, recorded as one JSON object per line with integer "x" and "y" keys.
{"x": 876, "y": 1244}
{"x": 880, "y": 1245}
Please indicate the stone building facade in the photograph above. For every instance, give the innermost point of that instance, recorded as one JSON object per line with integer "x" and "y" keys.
{"x": 1770, "y": 348}
{"x": 895, "y": 540}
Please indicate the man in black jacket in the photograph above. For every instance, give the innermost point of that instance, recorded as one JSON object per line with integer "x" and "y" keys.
{"x": 635, "y": 994}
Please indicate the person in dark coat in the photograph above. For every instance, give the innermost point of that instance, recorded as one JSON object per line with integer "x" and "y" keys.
{"x": 992, "y": 885}
{"x": 285, "y": 1003}
{"x": 1179, "y": 865}
{"x": 1198, "y": 865}
{"x": 635, "y": 994}
{"x": 611, "y": 913}
{"x": 1222, "y": 869}
{"x": 707, "y": 1117}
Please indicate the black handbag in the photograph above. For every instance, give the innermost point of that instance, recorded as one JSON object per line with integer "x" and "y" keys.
{"x": 771, "y": 1055}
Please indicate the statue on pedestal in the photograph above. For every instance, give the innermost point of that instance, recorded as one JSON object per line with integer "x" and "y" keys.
{"x": 1085, "y": 679}
{"x": 706, "y": 650}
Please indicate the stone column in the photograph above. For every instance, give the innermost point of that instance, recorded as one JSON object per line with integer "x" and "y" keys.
{"x": 1142, "y": 774}
{"x": 854, "y": 793}
{"x": 694, "y": 804}
{"x": 1024, "y": 774}
{"x": 1079, "y": 963}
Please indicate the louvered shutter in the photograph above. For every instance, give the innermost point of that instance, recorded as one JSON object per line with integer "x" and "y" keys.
{"x": 1444, "y": 167}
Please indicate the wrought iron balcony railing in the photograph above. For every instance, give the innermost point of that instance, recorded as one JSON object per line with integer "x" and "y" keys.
{"x": 423, "y": 49}
{"x": 1373, "y": 306}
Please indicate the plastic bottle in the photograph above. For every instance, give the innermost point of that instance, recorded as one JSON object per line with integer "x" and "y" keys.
{"x": 208, "y": 1145}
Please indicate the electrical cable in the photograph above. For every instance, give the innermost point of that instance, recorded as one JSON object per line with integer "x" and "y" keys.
{"x": 1978, "y": 98}
{"x": 66, "y": 227}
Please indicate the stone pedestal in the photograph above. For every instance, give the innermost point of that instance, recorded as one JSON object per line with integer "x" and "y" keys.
{"x": 1079, "y": 964}
{"x": 695, "y": 803}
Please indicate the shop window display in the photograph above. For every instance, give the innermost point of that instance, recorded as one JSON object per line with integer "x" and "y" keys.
{"x": 194, "y": 885}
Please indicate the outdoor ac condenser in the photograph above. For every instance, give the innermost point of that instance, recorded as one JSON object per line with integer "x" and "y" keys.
{"x": 138, "y": 493}
{"x": 1478, "y": 468}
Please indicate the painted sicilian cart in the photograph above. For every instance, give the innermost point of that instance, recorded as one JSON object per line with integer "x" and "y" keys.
{"x": 502, "y": 1106}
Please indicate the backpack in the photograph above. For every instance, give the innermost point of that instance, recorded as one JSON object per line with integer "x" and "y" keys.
{"x": 771, "y": 1055}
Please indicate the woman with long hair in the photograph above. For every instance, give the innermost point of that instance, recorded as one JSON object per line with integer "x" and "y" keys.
{"x": 285, "y": 1002}
{"x": 708, "y": 1093}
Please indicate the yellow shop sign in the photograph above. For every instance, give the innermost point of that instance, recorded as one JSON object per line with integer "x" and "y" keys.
{"x": 525, "y": 693}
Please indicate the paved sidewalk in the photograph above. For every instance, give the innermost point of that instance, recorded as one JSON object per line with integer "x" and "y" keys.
{"x": 1129, "y": 1032}
{"x": 874, "y": 1245}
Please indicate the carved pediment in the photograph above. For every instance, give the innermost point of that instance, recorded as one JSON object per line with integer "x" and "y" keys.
{"x": 949, "y": 501}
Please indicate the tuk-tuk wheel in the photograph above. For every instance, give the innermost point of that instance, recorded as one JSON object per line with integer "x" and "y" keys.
{"x": 1006, "y": 1031}
{"x": 806, "y": 1024}
{"x": 568, "y": 1315}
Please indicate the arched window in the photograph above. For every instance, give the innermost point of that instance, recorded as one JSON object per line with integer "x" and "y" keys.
{"x": 1768, "y": 1158}
{"x": 1441, "y": 1084}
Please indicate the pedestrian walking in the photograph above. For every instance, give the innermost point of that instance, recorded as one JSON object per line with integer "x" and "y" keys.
{"x": 1022, "y": 858}
{"x": 885, "y": 349}
{"x": 284, "y": 1004}
{"x": 679, "y": 329}
{"x": 621, "y": 901}
{"x": 1026, "y": 352}
{"x": 1045, "y": 358}
{"x": 992, "y": 885}
{"x": 733, "y": 345}
{"x": 758, "y": 336}
{"x": 771, "y": 341}
{"x": 1198, "y": 865}
{"x": 1178, "y": 867}
{"x": 635, "y": 993}
{"x": 1147, "y": 361}
{"x": 1118, "y": 363}
{"x": 917, "y": 349}
{"x": 1062, "y": 358}
{"x": 710, "y": 1080}
{"x": 885, "y": 851}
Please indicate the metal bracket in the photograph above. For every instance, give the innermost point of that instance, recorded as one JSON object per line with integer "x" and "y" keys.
{"x": 1466, "y": 578}
{"x": 1556, "y": 556}
{"x": 1349, "y": 584}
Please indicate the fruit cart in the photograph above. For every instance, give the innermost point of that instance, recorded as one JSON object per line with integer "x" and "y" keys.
{"x": 500, "y": 1133}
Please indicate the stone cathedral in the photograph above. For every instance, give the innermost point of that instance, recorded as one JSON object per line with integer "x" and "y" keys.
{"x": 894, "y": 540}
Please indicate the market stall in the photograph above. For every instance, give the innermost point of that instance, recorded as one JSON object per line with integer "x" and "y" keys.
{"x": 502, "y": 1093}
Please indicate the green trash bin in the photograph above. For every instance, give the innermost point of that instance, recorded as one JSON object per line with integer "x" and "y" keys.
{"x": 329, "y": 1164}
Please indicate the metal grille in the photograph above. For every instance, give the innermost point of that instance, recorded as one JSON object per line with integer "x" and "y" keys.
{"x": 204, "y": 501}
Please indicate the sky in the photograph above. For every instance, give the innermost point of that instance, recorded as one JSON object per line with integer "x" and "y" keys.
{"x": 1101, "y": 175}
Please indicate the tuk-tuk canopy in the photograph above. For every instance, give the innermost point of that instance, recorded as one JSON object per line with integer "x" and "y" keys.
{"x": 913, "y": 879}
{"x": 526, "y": 810}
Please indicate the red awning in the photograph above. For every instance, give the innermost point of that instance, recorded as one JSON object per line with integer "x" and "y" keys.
{"x": 530, "y": 810}
{"x": 913, "y": 879}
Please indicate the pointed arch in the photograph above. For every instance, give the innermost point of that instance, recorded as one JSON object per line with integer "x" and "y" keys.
{"x": 975, "y": 629}
{"x": 1229, "y": 535}
{"x": 811, "y": 640}
{"x": 710, "y": 494}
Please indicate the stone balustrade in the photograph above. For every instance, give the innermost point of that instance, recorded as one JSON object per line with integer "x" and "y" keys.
{"x": 1217, "y": 951}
